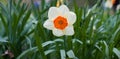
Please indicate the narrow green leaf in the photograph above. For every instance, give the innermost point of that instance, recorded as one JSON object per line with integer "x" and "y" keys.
{"x": 26, "y": 18}
{"x": 33, "y": 49}
{"x": 4, "y": 22}
{"x": 71, "y": 54}
{"x": 106, "y": 50}
{"x": 117, "y": 52}
{"x": 29, "y": 41}
{"x": 63, "y": 54}
{"x": 39, "y": 43}
{"x": 2, "y": 40}
{"x": 47, "y": 43}
{"x": 49, "y": 51}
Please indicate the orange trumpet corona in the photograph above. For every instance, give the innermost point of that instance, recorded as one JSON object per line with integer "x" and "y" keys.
{"x": 60, "y": 23}
{"x": 113, "y": 2}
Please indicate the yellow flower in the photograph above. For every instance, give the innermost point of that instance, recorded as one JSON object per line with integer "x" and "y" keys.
{"x": 60, "y": 21}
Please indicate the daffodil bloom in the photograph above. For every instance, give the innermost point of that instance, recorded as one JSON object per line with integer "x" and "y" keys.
{"x": 109, "y": 3}
{"x": 60, "y": 21}
{"x": 112, "y": 4}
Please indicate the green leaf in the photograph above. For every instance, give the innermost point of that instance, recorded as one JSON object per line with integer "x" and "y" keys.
{"x": 71, "y": 54}
{"x": 33, "y": 49}
{"x": 39, "y": 43}
{"x": 2, "y": 40}
{"x": 4, "y": 22}
{"x": 47, "y": 43}
{"x": 63, "y": 54}
{"x": 117, "y": 52}
{"x": 106, "y": 49}
{"x": 49, "y": 51}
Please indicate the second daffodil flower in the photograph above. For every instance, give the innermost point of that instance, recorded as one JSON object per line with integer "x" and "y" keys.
{"x": 60, "y": 21}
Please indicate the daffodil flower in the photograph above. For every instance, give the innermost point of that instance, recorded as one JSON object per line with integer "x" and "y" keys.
{"x": 60, "y": 21}
{"x": 108, "y": 4}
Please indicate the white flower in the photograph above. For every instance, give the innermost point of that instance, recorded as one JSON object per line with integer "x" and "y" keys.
{"x": 60, "y": 21}
{"x": 108, "y": 4}
{"x": 118, "y": 7}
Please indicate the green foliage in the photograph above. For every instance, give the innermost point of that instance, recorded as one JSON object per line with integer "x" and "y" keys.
{"x": 97, "y": 33}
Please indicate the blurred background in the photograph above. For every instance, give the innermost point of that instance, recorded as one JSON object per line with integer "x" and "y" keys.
{"x": 22, "y": 35}
{"x": 81, "y": 3}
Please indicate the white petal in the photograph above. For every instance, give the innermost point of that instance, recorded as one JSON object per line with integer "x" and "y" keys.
{"x": 48, "y": 24}
{"x": 53, "y": 13}
{"x": 58, "y": 32}
{"x": 63, "y": 9}
{"x": 108, "y": 4}
{"x": 69, "y": 30}
{"x": 71, "y": 16}
{"x": 118, "y": 7}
